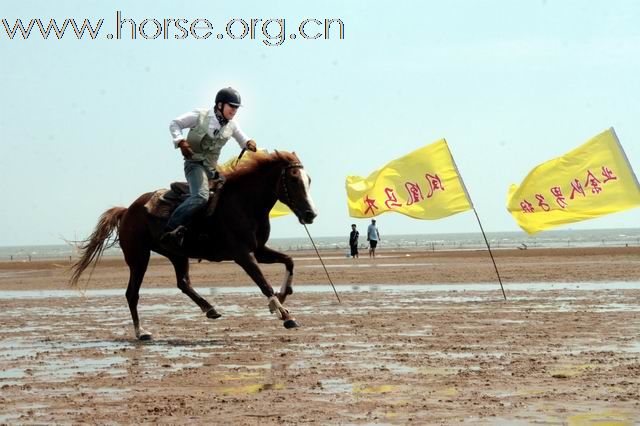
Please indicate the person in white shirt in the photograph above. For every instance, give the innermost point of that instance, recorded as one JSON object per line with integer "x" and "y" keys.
{"x": 373, "y": 236}
{"x": 209, "y": 131}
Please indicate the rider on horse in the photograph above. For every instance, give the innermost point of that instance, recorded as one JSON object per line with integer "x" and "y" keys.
{"x": 209, "y": 132}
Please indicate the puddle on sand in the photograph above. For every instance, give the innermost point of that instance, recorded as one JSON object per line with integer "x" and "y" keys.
{"x": 8, "y": 376}
{"x": 56, "y": 370}
{"x": 447, "y": 392}
{"x": 464, "y": 355}
{"x": 21, "y": 410}
{"x": 333, "y": 386}
{"x": 248, "y": 389}
{"x": 314, "y": 289}
{"x": 398, "y": 368}
{"x": 440, "y": 371}
{"x": 341, "y": 386}
{"x": 246, "y": 366}
{"x": 567, "y": 370}
{"x": 425, "y": 331}
{"x": 171, "y": 352}
{"x": 62, "y": 369}
{"x": 604, "y": 418}
{"x": 251, "y": 375}
{"x": 16, "y": 348}
{"x": 370, "y": 265}
{"x": 627, "y": 347}
{"x": 365, "y": 389}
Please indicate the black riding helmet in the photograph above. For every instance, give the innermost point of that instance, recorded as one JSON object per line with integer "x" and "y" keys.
{"x": 229, "y": 96}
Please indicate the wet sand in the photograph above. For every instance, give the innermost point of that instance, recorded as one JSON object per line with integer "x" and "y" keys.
{"x": 397, "y": 354}
{"x": 389, "y": 267}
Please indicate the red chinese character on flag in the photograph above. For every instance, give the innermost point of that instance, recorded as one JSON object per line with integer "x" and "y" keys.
{"x": 526, "y": 206}
{"x": 415, "y": 193}
{"x": 392, "y": 200}
{"x": 434, "y": 183}
{"x": 576, "y": 187}
{"x": 371, "y": 204}
{"x": 556, "y": 191}
{"x": 542, "y": 203}
{"x": 593, "y": 182}
{"x": 608, "y": 174}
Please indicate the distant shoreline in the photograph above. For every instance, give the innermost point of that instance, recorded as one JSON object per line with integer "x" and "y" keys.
{"x": 617, "y": 237}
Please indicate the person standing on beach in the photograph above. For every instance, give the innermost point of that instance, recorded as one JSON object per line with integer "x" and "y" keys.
{"x": 209, "y": 131}
{"x": 353, "y": 241}
{"x": 373, "y": 236}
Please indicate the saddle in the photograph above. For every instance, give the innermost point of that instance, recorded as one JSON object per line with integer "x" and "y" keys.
{"x": 164, "y": 201}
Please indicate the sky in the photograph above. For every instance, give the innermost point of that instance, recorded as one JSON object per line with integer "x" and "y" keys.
{"x": 509, "y": 84}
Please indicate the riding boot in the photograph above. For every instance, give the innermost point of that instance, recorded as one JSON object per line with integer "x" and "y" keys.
{"x": 174, "y": 238}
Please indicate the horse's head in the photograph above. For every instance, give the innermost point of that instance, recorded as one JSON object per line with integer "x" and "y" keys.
{"x": 293, "y": 189}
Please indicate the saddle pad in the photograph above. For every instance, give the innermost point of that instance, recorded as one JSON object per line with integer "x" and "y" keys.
{"x": 161, "y": 206}
{"x": 164, "y": 201}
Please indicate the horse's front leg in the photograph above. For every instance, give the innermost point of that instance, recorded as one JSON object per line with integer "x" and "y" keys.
{"x": 248, "y": 262}
{"x": 267, "y": 255}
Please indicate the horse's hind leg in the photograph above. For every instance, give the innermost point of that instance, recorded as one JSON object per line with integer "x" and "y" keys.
{"x": 268, "y": 255}
{"x": 181, "y": 265}
{"x": 137, "y": 267}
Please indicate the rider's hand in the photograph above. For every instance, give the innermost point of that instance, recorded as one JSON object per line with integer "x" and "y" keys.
{"x": 186, "y": 150}
{"x": 251, "y": 145}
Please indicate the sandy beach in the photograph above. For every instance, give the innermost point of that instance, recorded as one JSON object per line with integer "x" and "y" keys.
{"x": 389, "y": 267}
{"x": 418, "y": 338}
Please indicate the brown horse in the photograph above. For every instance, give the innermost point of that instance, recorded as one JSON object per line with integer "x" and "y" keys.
{"x": 237, "y": 230}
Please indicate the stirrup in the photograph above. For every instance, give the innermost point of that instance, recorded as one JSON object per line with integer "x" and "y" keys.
{"x": 175, "y": 237}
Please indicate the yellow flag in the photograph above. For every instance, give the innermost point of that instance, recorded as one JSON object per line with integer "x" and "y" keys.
{"x": 593, "y": 180}
{"x": 423, "y": 184}
{"x": 279, "y": 209}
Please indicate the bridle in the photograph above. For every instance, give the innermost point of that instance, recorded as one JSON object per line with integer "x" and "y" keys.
{"x": 283, "y": 180}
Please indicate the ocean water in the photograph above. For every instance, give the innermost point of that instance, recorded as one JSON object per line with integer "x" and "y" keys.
{"x": 432, "y": 242}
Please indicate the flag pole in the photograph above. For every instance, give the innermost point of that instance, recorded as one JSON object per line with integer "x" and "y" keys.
{"x": 624, "y": 155}
{"x": 464, "y": 187}
{"x": 325, "y": 268}
{"x": 490, "y": 253}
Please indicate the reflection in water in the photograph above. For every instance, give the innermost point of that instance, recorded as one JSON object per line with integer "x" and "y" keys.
{"x": 314, "y": 289}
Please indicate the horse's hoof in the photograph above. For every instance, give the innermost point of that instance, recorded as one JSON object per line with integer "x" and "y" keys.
{"x": 213, "y": 314}
{"x": 290, "y": 324}
{"x": 145, "y": 337}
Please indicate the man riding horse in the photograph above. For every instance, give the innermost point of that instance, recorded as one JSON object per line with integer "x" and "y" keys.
{"x": 237, "y": 229}
{"x": 209, "y": 131}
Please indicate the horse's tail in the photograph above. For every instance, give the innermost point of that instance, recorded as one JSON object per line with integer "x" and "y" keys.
{"x": 92, "y": 248}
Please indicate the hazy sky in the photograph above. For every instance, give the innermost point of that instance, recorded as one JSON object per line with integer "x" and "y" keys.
{"x": 509, "y": 84}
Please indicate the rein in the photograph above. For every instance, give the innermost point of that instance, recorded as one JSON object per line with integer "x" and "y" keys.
{"x": 283, "y": 179}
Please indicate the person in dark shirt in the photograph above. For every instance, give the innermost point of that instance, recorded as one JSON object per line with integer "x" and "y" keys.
{"x": 353, "y": 241}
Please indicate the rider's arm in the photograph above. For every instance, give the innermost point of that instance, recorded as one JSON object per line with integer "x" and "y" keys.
{"x": 185, "y": 121}
{"x": 243, "y": 140}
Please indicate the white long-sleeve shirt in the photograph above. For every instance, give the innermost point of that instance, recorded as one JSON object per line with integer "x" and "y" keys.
{"x": 189, "y": 120}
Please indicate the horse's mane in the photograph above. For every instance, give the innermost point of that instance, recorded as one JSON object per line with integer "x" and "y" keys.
{"x": 259, "y": 162}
